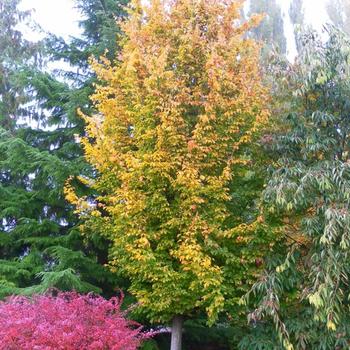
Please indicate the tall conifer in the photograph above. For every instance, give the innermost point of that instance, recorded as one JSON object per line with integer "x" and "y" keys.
{"x": 40, "y": 244}
{"x": 271, "y": 28}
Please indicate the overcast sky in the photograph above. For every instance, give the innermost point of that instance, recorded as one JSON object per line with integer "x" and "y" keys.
{"x": 56, "y": 16}
{"x": 60, "y": 17}
{"x": 315, "y": 12}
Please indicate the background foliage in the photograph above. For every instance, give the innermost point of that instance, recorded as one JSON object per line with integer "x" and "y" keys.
{"x": 308, "y": 193}
{"x": 40, "y": 242}
{"x": 279, "y": 215}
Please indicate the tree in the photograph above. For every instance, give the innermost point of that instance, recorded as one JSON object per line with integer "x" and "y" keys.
{"x": 339, "y": 14}
{"x": 296, "y": 14}
{"x": 99, "y": 33}
{"x": 14, "y": 52}
{"x": 178, "y": 113}
{"x": 271, "y": 28}
{"x": 40, "y": 243}
{"x": 67, "y": 321}
{"x": 308, "y": 193}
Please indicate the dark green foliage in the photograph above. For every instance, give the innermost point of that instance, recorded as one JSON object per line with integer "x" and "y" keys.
{"x": 15, "y": 53}
{"x": 271, "y": 30}
{"x": 40, "y": 244}
{"x": 100, "y": 32}
{"x": 306, "y": 295}
{"x": 149, "y": 345}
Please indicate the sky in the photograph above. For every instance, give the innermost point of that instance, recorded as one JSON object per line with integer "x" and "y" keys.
{"x": 315, "y": 15}
{"x": 56, "y": 16}
{"x": 315, "y": 12}
{"x": 60, "y": 16}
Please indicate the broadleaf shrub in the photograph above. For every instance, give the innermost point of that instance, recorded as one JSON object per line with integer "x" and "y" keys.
{"x": 67, "y": 321}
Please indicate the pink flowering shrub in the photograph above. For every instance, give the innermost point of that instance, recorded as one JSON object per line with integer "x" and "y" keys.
{"x": 68, "y": 321}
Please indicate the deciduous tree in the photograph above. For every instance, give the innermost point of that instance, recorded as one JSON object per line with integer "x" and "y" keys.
{"x": 309, "y": 194}
{"x": 179, "y": 111}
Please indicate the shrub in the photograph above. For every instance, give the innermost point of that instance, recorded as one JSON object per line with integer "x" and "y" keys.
{"x": 67, "y": 321}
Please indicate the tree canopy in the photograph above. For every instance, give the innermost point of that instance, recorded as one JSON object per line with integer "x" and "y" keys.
{"x": 178, "y": 156}
{"x": 309, "y": 193}
{"x": 178, "y": 112}
{"x": 40, "y": 242}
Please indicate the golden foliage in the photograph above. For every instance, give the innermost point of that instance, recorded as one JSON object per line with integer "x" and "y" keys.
{"x": 176, "y": 111}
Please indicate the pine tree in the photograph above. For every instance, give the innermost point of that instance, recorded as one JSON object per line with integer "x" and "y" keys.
{"x": 41, "y": 245}
{"x": 178, "y": 113}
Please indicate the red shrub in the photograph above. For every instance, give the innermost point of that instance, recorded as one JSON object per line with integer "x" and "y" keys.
{"x": 68, "y": 321}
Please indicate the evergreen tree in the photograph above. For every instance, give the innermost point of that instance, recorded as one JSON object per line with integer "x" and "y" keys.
{"x": 296, "y": 14}
{"x": 306, "y": 294}
{"x": 15, "y": 51}
{"x": 339, "y": 14}
{"x": 40, "y": 242}
{"x": 271, "y": 28}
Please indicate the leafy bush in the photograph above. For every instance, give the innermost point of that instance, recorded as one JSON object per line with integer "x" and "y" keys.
{"x": 67, "y": 321}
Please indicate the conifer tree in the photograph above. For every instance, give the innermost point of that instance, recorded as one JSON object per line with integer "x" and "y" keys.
{"x": 40, "y": 243}
{"x": 296, "y": 14}
{"x": 15, "y": 51}
{"x": 271, "y": 28}
{"x": 177, "y": 114}
{"x": 339, "y": 13}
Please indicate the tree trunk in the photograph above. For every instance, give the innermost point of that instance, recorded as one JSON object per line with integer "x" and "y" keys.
{"x": 176, "y": 333}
